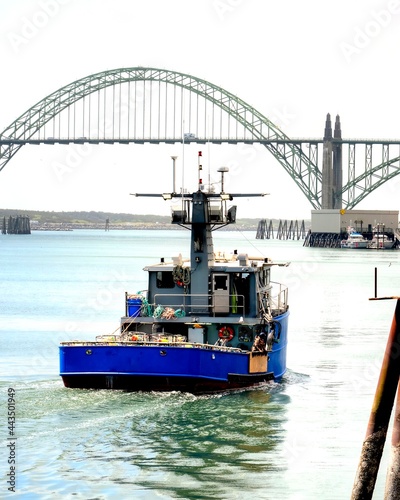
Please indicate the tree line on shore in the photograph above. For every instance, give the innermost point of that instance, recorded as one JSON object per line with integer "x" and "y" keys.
{"x": 99, "y": 219}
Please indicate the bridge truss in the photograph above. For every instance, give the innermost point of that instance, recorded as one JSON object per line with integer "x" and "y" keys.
{"x": 150, "y": 105}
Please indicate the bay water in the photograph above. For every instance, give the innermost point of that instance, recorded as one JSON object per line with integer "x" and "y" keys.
{"x": 299, "y": 439}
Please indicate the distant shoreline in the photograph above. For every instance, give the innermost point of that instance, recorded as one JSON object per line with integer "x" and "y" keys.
{"x": 68, "y": 221}
{"x": 124, "y": 227}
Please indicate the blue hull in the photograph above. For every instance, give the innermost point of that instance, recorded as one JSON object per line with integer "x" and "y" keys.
{"x": 190, "y": 368}
{"x": 277, "y": 361}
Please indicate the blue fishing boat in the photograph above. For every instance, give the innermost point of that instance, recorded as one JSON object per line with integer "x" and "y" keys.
{"x": 210, "y": 323}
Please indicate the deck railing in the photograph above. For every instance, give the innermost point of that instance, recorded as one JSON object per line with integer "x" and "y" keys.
{"x": 167, "y": 306}
{"x": 200, "y": 303}
{"x": 279, "y": 301}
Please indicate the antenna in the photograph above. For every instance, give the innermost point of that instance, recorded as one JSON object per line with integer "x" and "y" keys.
{"x": 200, "y": 167}
{"x": 223, "y": 171}
{"x": 173, "y": 173}
{"x": 183, "y": 158}
{"x": 208, "y": 153}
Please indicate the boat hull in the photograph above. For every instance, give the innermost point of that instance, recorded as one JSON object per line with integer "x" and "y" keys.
{"x": 381, "y": 245}
{"x": 186, "y": 367}
{"x": 136, "y": 383}
{"x": 159, "y": 368}
{"x": 357, "y": 245}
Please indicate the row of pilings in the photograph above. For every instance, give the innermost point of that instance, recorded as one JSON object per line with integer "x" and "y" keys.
{"x": 16, "y": 225}
{"x": 287, "y": 230}
{"x": 333, "y": 240}
{"x": 323, "y": 240}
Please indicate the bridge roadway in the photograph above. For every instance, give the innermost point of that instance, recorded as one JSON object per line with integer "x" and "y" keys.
{"x": 82, "y": 140}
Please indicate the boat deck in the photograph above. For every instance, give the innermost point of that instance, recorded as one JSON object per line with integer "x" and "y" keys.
{"x": 161, "y": 343}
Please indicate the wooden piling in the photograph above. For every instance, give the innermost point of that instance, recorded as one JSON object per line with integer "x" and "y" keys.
{"x": 17, "y": 225}
{"x": 261, "y": 229}
{"x": 392, "y": 488}
{"x": 374, "y": 441}
{"x": 265, "y": 230}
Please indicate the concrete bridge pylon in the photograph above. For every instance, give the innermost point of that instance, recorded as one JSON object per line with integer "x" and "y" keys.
{"x": 332, "y": 170}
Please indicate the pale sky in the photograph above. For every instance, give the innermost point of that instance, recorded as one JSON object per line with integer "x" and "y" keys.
{"x": 294, "y": 61}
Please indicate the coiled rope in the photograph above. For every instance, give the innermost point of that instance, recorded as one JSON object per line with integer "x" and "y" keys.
{"x": 181, "y": 275}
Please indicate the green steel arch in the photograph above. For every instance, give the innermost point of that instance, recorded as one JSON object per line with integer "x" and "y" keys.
{"x": 359, "y": 181}
{"x": 302, "y": 170}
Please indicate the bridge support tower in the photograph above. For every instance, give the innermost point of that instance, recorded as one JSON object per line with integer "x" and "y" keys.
{"x": 332, "y": 171}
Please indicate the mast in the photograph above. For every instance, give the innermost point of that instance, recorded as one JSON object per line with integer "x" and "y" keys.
{"x": 202, "y": 250}
{"x": 202, "y": 212}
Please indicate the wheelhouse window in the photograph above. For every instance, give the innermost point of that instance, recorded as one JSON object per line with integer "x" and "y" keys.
{"x": 220, "y": 282}
{"x": 165, "y": 279}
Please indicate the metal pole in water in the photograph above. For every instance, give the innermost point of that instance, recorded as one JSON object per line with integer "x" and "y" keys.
{"x": 392, "y": 488}
{"x": 374, "y": 441}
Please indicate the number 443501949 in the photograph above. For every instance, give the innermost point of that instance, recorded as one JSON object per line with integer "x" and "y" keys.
{"x": 11, "y": 411}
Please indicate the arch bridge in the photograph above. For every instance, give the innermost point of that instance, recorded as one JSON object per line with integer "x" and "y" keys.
{"x": 151, "y": 105}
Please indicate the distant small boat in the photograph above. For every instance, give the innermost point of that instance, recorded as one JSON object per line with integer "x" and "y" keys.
{"x": 354, "y": 240}
{"x": 380, "y": 241}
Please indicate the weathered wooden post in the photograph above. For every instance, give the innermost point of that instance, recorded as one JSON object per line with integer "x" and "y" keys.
{"x": 392, "y": 488}
{"x": 374, "y": 441}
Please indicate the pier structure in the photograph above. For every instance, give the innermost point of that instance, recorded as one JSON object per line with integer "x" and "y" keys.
{"x": 323, "y": 239}
{"x": 287, "y": 230}
{"x": 16, "y": 225}
{"x": 330, "y": 226}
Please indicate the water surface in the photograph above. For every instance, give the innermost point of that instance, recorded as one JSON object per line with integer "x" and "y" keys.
{"x": 298, "y": 440}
